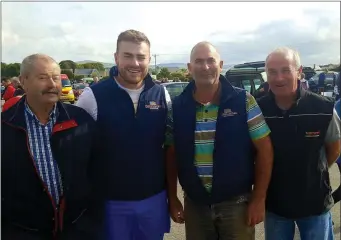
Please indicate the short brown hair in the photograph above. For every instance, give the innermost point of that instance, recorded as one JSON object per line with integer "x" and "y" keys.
{"x": 132, "y": 36}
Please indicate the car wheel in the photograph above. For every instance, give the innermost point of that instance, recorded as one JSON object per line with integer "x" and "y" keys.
{"x": 72, "y": 102}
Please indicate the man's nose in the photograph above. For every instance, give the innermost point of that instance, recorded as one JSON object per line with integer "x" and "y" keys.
{"x": 51, "y": 83}
{"x": 135, "y": 62}
{"x": 205, "y": 66}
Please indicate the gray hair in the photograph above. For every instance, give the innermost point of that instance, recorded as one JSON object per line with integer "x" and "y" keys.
{"x": 28, "y": 62}
{"x": 15, "y": 80}
{"x": 288, "y": 52}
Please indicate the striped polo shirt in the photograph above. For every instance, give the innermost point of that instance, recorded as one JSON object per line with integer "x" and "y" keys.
{"x": 206, "y": 118}
{"x": 39, "y": 141}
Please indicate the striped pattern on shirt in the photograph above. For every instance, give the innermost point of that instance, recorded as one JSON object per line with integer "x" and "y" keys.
{"x": 206, "y": 116}
{"x": 39, "y": 142}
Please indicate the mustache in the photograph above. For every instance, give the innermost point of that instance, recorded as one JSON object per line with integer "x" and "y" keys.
{"x": 53, "y": 91}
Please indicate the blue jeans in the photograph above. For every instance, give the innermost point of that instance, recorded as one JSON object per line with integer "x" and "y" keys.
{"x": 311, "y": 228}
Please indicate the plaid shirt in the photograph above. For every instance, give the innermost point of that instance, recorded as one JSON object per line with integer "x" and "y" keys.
{"x": 39, "y": 139}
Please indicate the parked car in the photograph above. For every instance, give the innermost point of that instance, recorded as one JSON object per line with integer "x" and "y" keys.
{"x": 174, "y": 88}
{"x": 78, "y": 89}
{"x": 249, "y": 76}
{"x": 67, "y": 91}
{"x": 329, "y": 83}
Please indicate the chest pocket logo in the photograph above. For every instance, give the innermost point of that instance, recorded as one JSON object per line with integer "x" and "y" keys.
{"x": 228, "y": 113}
{"x": 153, "y": 106}
{"x": 312, "y": 134}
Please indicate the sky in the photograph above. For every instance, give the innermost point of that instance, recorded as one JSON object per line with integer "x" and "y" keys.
{"x": 241, "y": 31}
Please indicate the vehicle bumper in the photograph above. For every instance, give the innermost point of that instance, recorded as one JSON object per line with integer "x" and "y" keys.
{"x": 67, "y": 98}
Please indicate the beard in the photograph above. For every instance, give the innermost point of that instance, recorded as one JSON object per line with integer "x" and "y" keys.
{"x": 132, "y": 78}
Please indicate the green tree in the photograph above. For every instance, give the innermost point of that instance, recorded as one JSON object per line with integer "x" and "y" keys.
{"x": 10, "y": 70}
{"x": 78, "y": 77}
{"x": 3, "y": 69}
{"x": 97, "y": 65}
{"x": 68, "y": 64}
{"x": 68, "y": 73}
{"x": 79, "y": 66}
{"x": 179, "y": 75}
{"x": 164, "y": 73}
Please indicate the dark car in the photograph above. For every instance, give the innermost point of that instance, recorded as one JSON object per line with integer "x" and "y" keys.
{"x": 174, "y": 88}
{"x": 308, "y": 72}
{"x": 250, "y": 76}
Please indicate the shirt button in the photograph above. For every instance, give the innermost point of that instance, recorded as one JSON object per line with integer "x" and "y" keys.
{"x": 54, "y": 182}
{"x": 52, "y": 219}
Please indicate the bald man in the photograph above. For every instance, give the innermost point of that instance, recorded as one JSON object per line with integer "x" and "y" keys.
{"x": 222, "y": 147}
{"x": 305, "y": 134}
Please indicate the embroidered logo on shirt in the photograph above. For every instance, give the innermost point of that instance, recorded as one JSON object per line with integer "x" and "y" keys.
{"x": 228, "y": 113}
{"x": 312, "y": 134}
{"x": 153, "y": 105}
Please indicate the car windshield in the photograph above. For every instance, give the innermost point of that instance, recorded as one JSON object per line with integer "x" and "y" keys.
{"x": 81, "y": 86}
{"x": 175, "y": 89}
{"x": 66, "y": 83}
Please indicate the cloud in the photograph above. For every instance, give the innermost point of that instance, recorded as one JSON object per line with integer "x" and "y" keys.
{"x": 241, "y": 31}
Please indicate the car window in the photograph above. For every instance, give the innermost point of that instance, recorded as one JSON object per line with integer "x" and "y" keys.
{"x": 257, "y": 82}
{"x": 247, "y": 85}
{"x": 246, "y": 81}
{"x": 174, "y": 89}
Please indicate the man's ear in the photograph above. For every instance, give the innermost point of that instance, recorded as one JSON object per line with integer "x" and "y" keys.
{"x": 300, "y": 70}
{"x": 21, "y": 79}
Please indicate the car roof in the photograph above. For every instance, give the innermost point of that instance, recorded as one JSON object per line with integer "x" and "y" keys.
{"x": 247, "y": 67}
{"x": 172, "y": 83}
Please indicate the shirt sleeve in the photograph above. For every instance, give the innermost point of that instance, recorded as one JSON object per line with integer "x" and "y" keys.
{"x": 333, "y": 132}
{"x": 88, "y": 102}
{"x": 257, "y": 126}
{"x": 169, "y": 121}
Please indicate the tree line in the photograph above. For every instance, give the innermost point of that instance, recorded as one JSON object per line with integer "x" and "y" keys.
{"x": 68, "y": 67}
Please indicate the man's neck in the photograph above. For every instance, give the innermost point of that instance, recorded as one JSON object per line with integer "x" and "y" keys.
{"x": 286, "y": 102}
{"x": 42, "y": 112}
{"x": 125, "y": 84}
{"x": 206, "y": 93}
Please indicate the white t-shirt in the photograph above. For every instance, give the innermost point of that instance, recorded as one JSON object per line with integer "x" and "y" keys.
{"x": 88, "y": 102}
{"x": 133, "y": 93}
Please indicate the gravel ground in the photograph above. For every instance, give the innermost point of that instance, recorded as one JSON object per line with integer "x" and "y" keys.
{"x": 178, "y": 231}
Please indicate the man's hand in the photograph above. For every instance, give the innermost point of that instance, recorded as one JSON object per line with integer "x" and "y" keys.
{"x": 255, "y": 212}
{"x": 176, "y": 210}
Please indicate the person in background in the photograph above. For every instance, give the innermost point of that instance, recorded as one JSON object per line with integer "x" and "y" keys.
{"x": 132, "y": 169}
{"x": 11, "y": 102}
{"x": 337, "y": 192}
{"x": 47, "y": 156}
{"x": 305, "y": 133}
{"x": 19, "y": 90}
{"x": 9, "y": 89}
{"x": 304, "y": 82}
{"x": 337, "y": 87}
{"x": 321, "y": 82}
{"x": 222, "y": 147}
{"x": 95, "y": 81}
{"x": 262, "y": 90}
